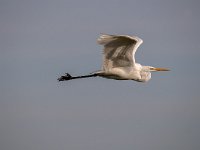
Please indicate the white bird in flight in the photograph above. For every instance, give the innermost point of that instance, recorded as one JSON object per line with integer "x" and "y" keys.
{"x": 119, "y": 60}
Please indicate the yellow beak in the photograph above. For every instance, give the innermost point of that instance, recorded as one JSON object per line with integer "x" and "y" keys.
{"x": 160, "y": 69}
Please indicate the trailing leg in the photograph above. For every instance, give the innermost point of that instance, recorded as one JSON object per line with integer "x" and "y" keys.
{"x": 67, "y": 76}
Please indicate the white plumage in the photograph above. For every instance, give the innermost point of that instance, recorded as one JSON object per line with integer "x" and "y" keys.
{"x": 119, "y": 60}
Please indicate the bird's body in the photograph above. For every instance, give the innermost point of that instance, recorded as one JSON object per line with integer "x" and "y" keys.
{"x": 119, "y": 60}
{"x": 126, "y": 73}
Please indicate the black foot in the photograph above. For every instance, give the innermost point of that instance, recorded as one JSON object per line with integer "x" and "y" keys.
{"x": 67, "y": 76}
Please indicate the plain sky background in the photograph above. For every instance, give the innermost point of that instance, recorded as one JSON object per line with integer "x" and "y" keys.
{"x": 42, "y": 39}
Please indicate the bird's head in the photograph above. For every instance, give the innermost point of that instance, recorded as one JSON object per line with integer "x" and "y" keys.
{"x": 152, "y": 69}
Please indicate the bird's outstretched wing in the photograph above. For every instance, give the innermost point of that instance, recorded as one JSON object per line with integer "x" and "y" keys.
{"x": 119, "y": 50}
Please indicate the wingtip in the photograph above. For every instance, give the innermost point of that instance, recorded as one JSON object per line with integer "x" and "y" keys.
{"x": 104, "y": 38}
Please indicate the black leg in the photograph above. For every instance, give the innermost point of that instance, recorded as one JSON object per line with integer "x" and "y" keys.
{"x": 67, "y": 76}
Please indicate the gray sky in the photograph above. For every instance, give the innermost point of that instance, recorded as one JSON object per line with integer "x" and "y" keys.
{"x": 42, "y": 39}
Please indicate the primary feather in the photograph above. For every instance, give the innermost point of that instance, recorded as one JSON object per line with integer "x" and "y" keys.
{"x": 119, "y": 50}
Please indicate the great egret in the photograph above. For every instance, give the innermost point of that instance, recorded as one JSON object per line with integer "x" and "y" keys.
{"x": 119, "y": 60}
